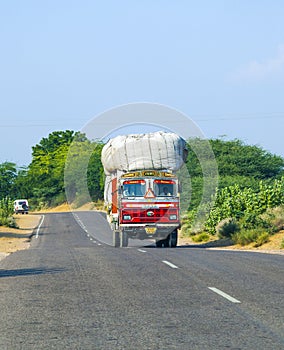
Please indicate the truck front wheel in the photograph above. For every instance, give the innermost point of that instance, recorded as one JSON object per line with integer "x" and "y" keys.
{"x": 169, "y": 242}
{"x": 159, "y": 244}
{"x": 162, "y": 243}
{"x": 172, "y": 239}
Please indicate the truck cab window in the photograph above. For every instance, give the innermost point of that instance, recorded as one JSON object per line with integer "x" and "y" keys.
{"x": 133, "y": 189}
{"x": 164, "y": 189}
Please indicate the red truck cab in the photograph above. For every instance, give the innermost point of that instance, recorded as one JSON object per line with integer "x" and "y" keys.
{"x": 146, "y": 205}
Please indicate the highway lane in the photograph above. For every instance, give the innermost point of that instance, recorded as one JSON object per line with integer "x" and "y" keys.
{"x": 96, "y": 225}
{"x": 69, "y": 292}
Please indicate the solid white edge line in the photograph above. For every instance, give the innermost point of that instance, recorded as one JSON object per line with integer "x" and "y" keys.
{"x": 37, "y": 231}
{"x": 170, "y": 264}
{"x": 224, "y": 295}
{"x": 141, "y": 250}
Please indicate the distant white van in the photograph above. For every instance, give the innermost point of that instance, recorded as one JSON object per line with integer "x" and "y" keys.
{"x": 21, "y": 206}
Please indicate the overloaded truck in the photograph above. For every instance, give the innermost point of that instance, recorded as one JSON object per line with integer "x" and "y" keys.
{"x": 142, "y": 190}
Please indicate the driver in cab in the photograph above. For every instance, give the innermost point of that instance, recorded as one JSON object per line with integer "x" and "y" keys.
{"x": 166, "y": 192}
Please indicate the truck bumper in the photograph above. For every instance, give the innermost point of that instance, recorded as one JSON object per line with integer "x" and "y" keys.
{"x": 157, "y": 231}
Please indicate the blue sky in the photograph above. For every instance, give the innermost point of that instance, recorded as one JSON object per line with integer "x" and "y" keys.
{"x": 64, "y": 62}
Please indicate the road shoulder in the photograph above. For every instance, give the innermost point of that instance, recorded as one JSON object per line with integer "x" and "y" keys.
{"x": 12, "y": 240}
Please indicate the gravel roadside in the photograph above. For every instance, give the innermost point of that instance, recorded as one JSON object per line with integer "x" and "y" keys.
{"x": 12, "y": 240}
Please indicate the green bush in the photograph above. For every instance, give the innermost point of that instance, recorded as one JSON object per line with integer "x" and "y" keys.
{"x": 275, "y": 217}
{"x": 57, "y": 200}
{"x": 6, "y": 207}
{"x": 6, "y": 211}
{"x": 282, "y": 244}
{"x": 202, "y": 237}
{"x": 247, "y": 205}
{"x": 244, "y": 237}
{"x": 261, "y": 239}
{"x": 227, "y": 227}
{"x": 9, "y": 222}
{"x": 252, "y": 220}
{"x": 187, "y": 220}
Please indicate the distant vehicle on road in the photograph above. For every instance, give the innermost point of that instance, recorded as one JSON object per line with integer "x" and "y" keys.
{"x": 21, "y": 206}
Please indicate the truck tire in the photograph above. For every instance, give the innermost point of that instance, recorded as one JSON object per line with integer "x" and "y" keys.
{"x": 172, "y": 239}
{"x": 116, "y": 239}
{"x": 159, "y": 244}
{"x": 162, "y": 243}
{"x": 123, "y": 238}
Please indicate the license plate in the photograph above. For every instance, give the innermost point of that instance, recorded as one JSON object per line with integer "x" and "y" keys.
{"x": 150, "y": 230}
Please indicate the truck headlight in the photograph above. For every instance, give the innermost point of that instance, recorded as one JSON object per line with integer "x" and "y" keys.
{"x": 173, "y": 217}
{"x": 126, "y": 217}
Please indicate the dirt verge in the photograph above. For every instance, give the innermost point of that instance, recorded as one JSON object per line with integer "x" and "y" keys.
{"x": 12, "y": 240}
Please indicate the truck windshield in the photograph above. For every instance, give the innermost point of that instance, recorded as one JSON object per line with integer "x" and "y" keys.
{"x": 164, "y": 188}
{"x": 134, "y": 188}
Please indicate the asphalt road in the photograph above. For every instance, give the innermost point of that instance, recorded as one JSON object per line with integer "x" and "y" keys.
{"x": 71, "y": 290}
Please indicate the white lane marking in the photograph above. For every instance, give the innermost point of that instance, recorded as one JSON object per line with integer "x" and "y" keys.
{"x": 170, "y": 264}
{"x": 39, "y": 226}
{"x": 142, "y": 251}
{"x": 99, "y": 243}
{"x": 79, "y": 221}
{"x": 224, "y": 295}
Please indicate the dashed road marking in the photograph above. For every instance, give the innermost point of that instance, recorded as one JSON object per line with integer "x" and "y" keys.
{"x": 170, "y": 264}
{"x": 224, "y": 295}
{"x": 142, "y": 251}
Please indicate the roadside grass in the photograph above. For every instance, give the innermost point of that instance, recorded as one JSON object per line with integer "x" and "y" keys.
{"x": 202, "y": 237}
{"x": 8, "y": 222}
{"x": 6, "y": 213}
{"x": 245, "y": 237}
{"x": 262, "y": 239}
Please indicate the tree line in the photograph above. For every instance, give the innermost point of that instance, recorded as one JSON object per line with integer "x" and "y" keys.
{"x": 42, "y": 181}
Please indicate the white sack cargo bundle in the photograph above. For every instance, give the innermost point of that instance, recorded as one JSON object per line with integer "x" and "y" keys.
{"x": 158, "y": 150}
